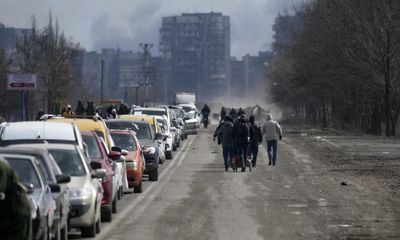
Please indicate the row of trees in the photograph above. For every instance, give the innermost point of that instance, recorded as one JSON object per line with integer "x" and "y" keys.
{"x": 48, "y": 53}
{"x": 339, "y": 64}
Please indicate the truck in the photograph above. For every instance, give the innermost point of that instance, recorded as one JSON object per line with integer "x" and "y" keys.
{"x": 185, "y": 98}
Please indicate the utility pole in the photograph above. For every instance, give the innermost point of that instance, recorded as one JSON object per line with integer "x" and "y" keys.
{"x": 146, "y": 68}
{"x": 102, "y": 82}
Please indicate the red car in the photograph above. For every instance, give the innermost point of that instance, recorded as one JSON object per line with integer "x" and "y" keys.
{"x": 126, "y": 139}
{"x": 98, "y": 152}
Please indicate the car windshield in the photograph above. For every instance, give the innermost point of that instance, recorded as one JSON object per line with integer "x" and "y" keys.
{"x": 124, "y": 141}
{"x": 187, "y": 108}
{"x": 25, "y": 171}
{"x": 142, "y": 129}
{"x": 93, "y": 146}
{"x": 69, "y": 161}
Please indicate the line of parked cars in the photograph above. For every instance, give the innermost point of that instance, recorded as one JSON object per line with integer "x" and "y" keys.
{"x": 76, "y": 169}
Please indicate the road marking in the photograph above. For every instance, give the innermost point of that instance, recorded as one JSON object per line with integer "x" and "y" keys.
{"x": 295, "y": 213}
{"x": 322, "y": 202}
{"x": 297, "y": 205}
{"x": 146, "y": 193}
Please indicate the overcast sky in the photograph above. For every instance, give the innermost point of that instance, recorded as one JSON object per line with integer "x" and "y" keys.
{"x": 125, "y": 23}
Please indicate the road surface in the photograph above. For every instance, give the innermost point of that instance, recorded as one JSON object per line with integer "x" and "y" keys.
{"x": 320, "y": 189}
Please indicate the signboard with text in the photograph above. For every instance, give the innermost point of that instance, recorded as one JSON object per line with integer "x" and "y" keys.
{"x": 21, "y": 81}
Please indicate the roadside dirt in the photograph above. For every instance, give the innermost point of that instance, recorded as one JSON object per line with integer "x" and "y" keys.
{"x": 365, "y": 167}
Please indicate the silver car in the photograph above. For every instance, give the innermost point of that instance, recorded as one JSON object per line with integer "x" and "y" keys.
{"x": 27, "y": 169}
{"x": 52, "y": 176}
{"x": 86, "y": 191}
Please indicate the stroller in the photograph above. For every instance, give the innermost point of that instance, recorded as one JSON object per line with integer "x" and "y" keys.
{"x": 236, "y": 163}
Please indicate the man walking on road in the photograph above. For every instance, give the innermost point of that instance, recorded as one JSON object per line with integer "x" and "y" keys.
{"x": 224, "y": 131}
{"x": 240, "y": 136}
{"x": 272, "y": 132}
{"x": 255, "y": 140}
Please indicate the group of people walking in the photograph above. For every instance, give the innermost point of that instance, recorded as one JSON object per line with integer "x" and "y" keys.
{"x": 241, "y": 137}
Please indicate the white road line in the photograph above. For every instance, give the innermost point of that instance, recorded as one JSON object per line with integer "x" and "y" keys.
{"x": 147, "y": 192}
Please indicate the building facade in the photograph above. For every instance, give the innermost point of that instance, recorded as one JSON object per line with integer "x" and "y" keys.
{"x": 196, "y": 52}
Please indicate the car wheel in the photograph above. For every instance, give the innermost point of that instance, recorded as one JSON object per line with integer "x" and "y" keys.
{"x": 186, "y": 136}
{"x": 138, "y": 189}
{"x": 114, "y": 206}
{"x": 64, "y": 232}
{"x": 106, "y": 215}
{"x": 174, "y": 147}
{"x": 98, "y": 227}
{"x": 168, "y": 155}
{"x": 153, "y": 176}
{"x": 89, "y": 231}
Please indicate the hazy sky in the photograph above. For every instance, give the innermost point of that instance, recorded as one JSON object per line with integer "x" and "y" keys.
{"x": 125, "y": 23}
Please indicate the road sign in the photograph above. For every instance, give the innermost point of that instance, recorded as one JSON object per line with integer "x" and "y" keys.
{"x": 21, "y": 81}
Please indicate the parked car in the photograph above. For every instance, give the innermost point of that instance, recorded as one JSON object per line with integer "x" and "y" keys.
{"x": 98, "y": 152}
{"x": 96, "y": 124}
{"x": 167, "y": 137}
{"x": 160, "y": 111}
{"x": 40, "y": 132}
{"x": 86, "y": 191}
{"x": 147, "y": 140}
{"x": 164, "y": 146}
{"x": 52, "y": 175}
{"x": 27, "y": 169}
{"x": 134, "y": 160}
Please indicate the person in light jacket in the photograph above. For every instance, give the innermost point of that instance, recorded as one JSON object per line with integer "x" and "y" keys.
{"x": 272, "y": 132}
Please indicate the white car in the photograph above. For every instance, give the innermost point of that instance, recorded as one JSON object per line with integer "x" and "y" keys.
{"x": 167, "y": 143}
{"x": 165, "y": 113}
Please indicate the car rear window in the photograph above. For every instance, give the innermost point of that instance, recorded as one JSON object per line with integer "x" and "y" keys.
{"x": 69, "y": 161}
{"x": 124, "y": 141}
{"x": 142, "y": 129}
{"x": 24, "y": 170}
{"x": 93, "y": 146}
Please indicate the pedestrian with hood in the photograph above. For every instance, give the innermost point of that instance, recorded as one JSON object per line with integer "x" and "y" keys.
{"x": 255, "y": 140}
{"x": 232, "y": 114}
{"x": 224, "y": 132}
{"x": 240, "y": 136}
{"x": 272, "y": 131}
{"x": 240, "y": 112}
{"x": 39, "y": 115}
{"x": 222, "y": 114}
{"x": 68, "y": 113}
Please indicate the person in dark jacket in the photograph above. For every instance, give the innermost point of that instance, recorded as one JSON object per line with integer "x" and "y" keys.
{"x": 240, "y": 112}
{"x": 232, "y": 114}
{"x": 39, "y": 115}
{"x": 255, "y": 140}
{"x": 240, "y": 136}
{"x": 222, "y": 114}
{"x": 15, "y": 209}
{"x": 225, "y": 132}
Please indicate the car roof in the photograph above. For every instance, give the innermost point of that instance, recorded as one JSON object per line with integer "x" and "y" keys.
{"x": 36, "y": 130}
{"x": 46, "y": 146}
{"x": 23, "y": 150}
{"x": 151, "y": 109}
{"x": 140, "y": 117}
{"x": 83, "y": 124}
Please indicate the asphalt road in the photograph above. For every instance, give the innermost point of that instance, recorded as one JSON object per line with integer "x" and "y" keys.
{"x": 306, "y": 196}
